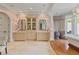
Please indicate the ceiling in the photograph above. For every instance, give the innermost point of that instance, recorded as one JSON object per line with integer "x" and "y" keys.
{"x": 27, "y": 8}
{"x": 34, "y": 9}
{"x": 63, "y": 8}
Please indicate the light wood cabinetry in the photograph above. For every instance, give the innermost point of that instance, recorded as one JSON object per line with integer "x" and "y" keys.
{"x": 31, "y": 35}
{"x": 26, "y": 35}
{"x": 31, "y": 23}
{"x": 28, "y": 30}
{"x": 42, "y": 35}
{"x": 19, "y": 36}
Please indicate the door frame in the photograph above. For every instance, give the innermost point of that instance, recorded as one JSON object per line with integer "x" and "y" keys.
{"x": 10, "y": 18}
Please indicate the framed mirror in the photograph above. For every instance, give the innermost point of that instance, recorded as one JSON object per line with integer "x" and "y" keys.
{"x": 42, "y": 24}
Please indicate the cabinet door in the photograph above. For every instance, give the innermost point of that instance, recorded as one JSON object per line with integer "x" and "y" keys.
{"x": 28, "y": 23}
{"x": 28, "y": 26}
{"x": 19, "y": 36}
{"x": 42, "y": 36}
{"x": 31, "y": 35}
{"x": 42, "y": 24}
{"x": 33, "y": 26}
{"x": 33, "y": 23}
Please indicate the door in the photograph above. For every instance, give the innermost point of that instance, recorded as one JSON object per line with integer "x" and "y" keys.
{"x": 4, "y": 26}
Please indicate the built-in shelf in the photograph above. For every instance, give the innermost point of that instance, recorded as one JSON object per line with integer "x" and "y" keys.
{"x": 28, "y": 29}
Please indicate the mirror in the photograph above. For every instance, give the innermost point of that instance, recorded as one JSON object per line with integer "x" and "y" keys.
{"x": 42, "y": 24}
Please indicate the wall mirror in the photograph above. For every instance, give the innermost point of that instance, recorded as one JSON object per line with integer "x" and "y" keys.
{"x": 42, "y": 24}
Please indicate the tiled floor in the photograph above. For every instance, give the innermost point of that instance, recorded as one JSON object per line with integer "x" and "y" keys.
{"x": 30, "y": 48}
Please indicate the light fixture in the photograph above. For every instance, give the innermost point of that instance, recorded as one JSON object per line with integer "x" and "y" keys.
{"x": 75, "y": 11}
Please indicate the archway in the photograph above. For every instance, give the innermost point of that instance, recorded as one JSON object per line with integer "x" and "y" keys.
{"x": 5, "y": 25}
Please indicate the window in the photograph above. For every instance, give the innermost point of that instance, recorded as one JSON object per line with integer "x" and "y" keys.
{"x": 77, "y": 25}
{"x": 72, "y": 25}
{"x": 69, "y": 26}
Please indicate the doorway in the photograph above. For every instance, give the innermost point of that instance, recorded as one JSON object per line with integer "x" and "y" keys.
{"x": 4, "y": 26}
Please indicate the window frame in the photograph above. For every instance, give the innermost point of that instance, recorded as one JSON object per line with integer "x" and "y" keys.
{"x": 76, "y": 26}
{"x": 66, "y": 24}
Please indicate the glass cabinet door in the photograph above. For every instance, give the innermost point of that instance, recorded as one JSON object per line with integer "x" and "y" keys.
{"x": 33, "y": 26}
{"x": 28, "y": 23}
{"x": 21, "y": 25}
{"x": 28, "y": 20}
{"x": 42, "y": 24}
{"x": 28, "y": 26}
{"x": 33, "y": 20}
{"x": 33, "y": 23}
